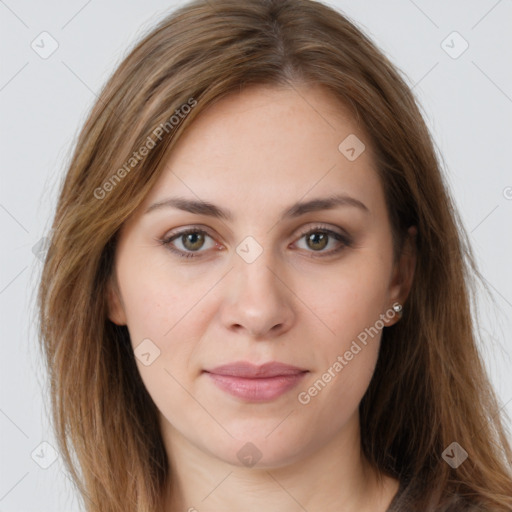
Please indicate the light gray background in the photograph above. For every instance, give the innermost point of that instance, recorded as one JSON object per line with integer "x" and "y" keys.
{"x": 467, "y": 102}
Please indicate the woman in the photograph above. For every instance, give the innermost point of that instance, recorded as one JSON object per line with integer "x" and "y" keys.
{"x": 257, "y": 294}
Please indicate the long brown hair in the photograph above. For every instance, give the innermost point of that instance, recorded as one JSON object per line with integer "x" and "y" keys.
{"x": 429, "y": 388}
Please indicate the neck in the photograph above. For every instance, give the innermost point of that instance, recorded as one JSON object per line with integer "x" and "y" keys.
{"x": 336, "y": 477}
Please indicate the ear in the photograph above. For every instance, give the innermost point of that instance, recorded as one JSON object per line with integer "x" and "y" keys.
{"x": 115, "y": 306}
{"x": 403, "y": 274}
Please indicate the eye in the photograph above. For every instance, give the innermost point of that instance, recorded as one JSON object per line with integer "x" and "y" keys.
{"x": 319, "y": 237}
{"x": 192, "y": 240}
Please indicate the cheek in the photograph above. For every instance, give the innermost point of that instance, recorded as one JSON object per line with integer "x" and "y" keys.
{"x": 333, "y": 392}
{"x": 151, "y": 307}
{"x": 157, "y": 300}
{"x": 159, "y": 318}
{"x": 350, "y": 299}
{"x": 158, "y": 312}
{"x": 350, "y": 304}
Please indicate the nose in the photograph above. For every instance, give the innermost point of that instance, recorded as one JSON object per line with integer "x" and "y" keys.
{"x": 257, "y": 299}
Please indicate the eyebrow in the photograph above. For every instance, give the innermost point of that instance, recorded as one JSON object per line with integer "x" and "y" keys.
{"x": 296, "y": 210}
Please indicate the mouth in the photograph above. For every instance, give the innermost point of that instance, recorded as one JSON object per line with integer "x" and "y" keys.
{"x": 254, "y": 383}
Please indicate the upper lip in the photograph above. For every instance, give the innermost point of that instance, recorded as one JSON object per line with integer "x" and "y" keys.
{"x": 249, "y": 370}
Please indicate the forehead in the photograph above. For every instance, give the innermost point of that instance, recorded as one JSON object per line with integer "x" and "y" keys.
{"x": 266, "y": 147}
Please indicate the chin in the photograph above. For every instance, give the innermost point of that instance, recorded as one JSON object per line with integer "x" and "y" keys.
{"x": 261, "y": 446}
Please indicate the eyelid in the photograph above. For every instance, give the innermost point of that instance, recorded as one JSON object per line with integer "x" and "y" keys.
{"x": 176, "y": 233}
{"x": 325, "y": 227}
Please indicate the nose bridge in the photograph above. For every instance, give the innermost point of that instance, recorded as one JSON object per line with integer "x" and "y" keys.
{"x": 258, "y": 276}
{"x": 254, "y": 272}
{"x": 257, "y": 298}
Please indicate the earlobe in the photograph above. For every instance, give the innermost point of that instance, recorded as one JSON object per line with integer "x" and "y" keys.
{"x": 115, "y": 309}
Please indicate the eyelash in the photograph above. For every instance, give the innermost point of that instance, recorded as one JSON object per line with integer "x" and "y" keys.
{"x": 345, "y": 240}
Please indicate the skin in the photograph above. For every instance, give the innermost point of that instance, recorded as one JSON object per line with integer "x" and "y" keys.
{"x": 256, "y": 153}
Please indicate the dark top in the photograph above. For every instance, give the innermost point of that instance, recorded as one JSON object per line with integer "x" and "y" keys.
{"x": 404, "y": 496}
{"x": 394, "y": 506}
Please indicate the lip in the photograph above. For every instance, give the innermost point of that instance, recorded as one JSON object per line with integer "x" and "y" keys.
{"x": 255, "y": 383}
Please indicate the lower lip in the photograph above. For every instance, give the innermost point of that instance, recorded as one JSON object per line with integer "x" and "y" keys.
{"x": 257, "y": 390}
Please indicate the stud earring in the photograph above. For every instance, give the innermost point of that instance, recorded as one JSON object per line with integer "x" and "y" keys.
{"x": 398, "y": 309}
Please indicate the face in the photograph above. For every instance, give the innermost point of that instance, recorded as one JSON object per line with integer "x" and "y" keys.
{"x": 209, "y": 297}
